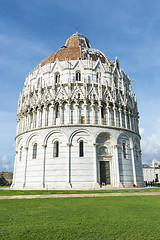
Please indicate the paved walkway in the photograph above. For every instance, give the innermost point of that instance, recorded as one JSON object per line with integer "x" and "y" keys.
{"x": 80, "y": 195}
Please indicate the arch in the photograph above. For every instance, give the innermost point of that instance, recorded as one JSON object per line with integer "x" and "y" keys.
{"x": 18, "y": 141}
{"x": 127, "y": 136}
{"x": 50, "y": 133}
{"x": 80, "y": 131}
{"x": 57, "y": 77}
{"x": 105, "y": 142}
{"x": 106, "y": 134}
{"x": 31, "y": 136}
{"x": 78, "y": 75}
{"x": 81, "y": 139}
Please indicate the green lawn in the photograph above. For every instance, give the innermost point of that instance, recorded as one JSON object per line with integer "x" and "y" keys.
{"x": 9, "y": 192}
{"x": 135, "y": 217}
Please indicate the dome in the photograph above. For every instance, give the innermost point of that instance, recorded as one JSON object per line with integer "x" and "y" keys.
{"x": 76, "y": 47}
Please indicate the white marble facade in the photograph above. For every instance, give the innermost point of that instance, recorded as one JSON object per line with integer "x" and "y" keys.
{"x": 77, "y": 126}
{"x": 151, "y": 172}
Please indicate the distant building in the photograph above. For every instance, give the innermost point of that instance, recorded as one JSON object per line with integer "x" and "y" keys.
{"x": 77, "y": 123}
{"x": 6, "y": 178}
{"x": 151, "y": 171}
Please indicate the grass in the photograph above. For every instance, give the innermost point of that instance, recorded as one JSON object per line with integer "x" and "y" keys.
{"x": 118, "y": 218}
{"x": 9, "y": 192}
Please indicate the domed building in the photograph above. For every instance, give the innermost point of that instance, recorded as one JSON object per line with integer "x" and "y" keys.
{"x": 77, "y": 123}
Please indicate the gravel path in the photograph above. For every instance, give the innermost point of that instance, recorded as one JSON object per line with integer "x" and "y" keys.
{"x": 79, "y": 195}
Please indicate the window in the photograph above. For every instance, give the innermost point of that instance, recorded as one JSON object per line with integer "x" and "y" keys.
{"x": 124, "y": 150}
{"x": 34, "y": 156}
{"x": 57, "y": 110}
{"x": 115, "y": 82}
{"x": 136, "y": 153}
{"x": 57, "y": 77}
{"x": 78, "y": 76}
{"x": 102, "y": 112}
{"x": 31, "y": 118}
{"x": 20, "y": 153}
{"x": 56, "y": 149}
{"x": 83, "y": 120}
{"x": 98, "y": 76}
{"x": 81, "y": 149}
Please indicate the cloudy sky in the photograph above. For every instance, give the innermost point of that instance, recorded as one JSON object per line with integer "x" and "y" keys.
{"x": 32, "y": 30}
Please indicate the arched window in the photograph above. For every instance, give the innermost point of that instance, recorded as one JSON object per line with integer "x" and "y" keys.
{"x": 20, "y": 153}
{"x": 57, "y": 110}
{"x": 34, "y": 155}
{"x": 57, "y": 77}
{"x": 115, "y": 82}
{"x": 136, "y": 153}
{"x": 102, "y": 112}
{"x": 56, "y": 149}
{"x": 81, "y": 149}
{"x": 82, "y": 120}
{"x": 124, "y": 150}
{"x": 98, "y": 76}
{"x": 78, "y": 76}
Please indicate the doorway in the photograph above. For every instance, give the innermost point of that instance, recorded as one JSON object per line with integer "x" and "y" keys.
{"x": 104, "y": 172}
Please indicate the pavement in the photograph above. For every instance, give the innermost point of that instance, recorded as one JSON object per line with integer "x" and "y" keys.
{"x": 80, "y": 195}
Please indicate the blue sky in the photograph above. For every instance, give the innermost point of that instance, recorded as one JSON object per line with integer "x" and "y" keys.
{"x": 32, "y": 30}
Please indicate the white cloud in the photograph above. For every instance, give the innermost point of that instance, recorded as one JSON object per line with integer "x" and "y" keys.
{"x": 6, "y": 164}
{"x": 141, "y": 131}
{"x": 151, "y": 145}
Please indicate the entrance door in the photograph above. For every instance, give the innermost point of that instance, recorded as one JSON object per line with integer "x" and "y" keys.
{"x": 104, "y": 172}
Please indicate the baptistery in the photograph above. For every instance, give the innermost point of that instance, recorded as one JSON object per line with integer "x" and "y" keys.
{"x": 77, "y": 123}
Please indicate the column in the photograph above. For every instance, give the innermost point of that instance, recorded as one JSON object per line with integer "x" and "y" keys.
{"x": 61, "y": 113}
{"x": 25, "y": 166}
{"x": 134, "y": 121}
{"x": 77, "y": 113}
{"x": 130, "y": 124}
{"x": 114, "y": 113}
{"x": 15, "y": 164}
{"x": 69, "y": 164}
{"x": 125, "y": 118}
{"x": 43, "y": 165}
{"x": 24, "y": 122}
{"x": 69, "y": 113}
{"x": 117, "y": 164}
{"x": 120, "y": 116}
{"x": 99, "y": 113}
{"x": 134, "y": 168}
{"x": 93, "y": 113}
{"x": 85, "y": 112}
{"x": 45, "y": 116}
{"x": 17, "y": 126}
{"x": 39, "y": 117}
{"x": 95, "y": 163}
{"x": 33, "y": 123}
{"x": 52, "y": 114}
{"x": 108, "y": 113}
